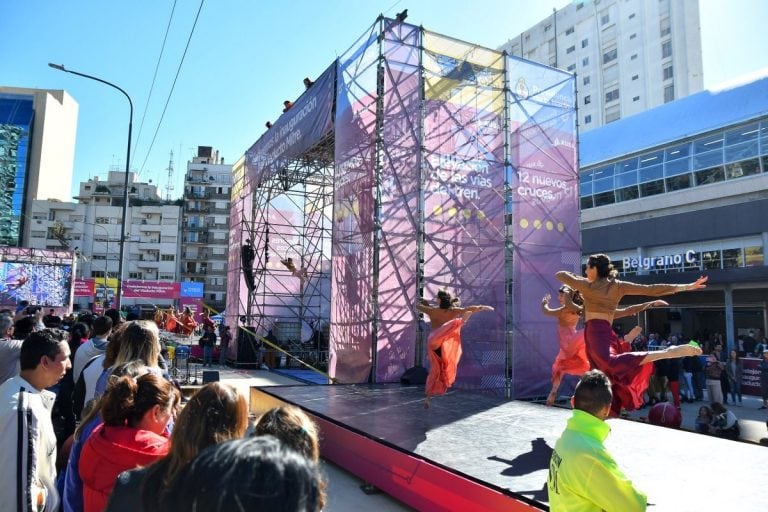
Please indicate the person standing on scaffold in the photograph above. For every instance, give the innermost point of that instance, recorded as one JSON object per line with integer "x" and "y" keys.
{"x": 444, "y": 342}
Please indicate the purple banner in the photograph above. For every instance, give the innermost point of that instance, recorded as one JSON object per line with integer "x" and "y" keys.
{"x": 294, "y": 132}
{"x": 353, "y": 251}
{"x": 544, "y": 212}
{"x": 396, "y": 340}
{"x": 464, "y": 196}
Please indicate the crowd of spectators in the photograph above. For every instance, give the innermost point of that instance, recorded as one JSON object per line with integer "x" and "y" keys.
{"x": 94, "y": 422}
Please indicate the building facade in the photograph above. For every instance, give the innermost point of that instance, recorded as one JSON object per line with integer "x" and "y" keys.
{"x": 92, "y": 228}
{"x": 628, "y": 55}
{"x": 205, "y": 226}
{"x": 37, "y": 149}
{"x": 680, "y": 191}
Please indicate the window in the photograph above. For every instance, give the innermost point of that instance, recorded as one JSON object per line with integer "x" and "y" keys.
{"x": 587, "y": 99}
{"x": 635, "y": 77}
{"x": 612, "y": 95}
{"x": 612, "y": 113}
{"x": 664, "y": 27}
{"x": 569, "y": 31}
{"x": 668, "y": 73}
{"x": 572, "y": 67}
{"x": 666, "y": 49}
{"x": 631, "y": 16}
{"x": 636, "y": 98}
{"x": 135, "y": 275}
{"x": 633, "y": 57}
{"x": 707, "y": 176}
{"x": 585, "y": 80}
{"x": 651, "y": 188}
{"x": 678, "y": 182}
{"x": 579, "y": 5}
{"x": 548, "y": 27}
{"x": 168, "y": 257}
{"x": 753, "y": 256}
{"x": 585, "y": 61}
{"x": 102, "y": 220}
{"x": 669, "y": 93}
{"x": 584, "y": 43}
{"x": 733, "y": 258}
{"x": 605, "y": 19}
{"x": 38, "y": 234}
{"x": 610, "y": 55}
{"x": 97, "y": 273}
{"x": 710, "y": 259}
{"x": 570, "y": 49}
{"x": 740, "y": 169}
{"x": 587, "y": 119}
{"x": 632, "y": 36}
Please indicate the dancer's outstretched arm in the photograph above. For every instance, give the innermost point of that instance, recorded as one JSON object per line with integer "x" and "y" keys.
{"x": 637, "y": 308}
{"x": 670, "y": 353}
{"x": 555, "y": 312}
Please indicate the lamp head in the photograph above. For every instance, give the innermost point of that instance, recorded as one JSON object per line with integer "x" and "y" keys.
{"x": 60, "y": 67}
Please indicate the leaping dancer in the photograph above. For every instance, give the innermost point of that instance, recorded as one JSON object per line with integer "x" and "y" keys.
{"x": 572, "y": 357}
{"x": 628, "y": 371}
{"x": 444, "y": 343}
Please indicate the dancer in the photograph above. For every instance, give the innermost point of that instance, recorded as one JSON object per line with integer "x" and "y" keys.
{"x": 301, "y": 273}
{"x": 629, "y": 371}
{"x": 444, "y": 341}
{"x": 572, "y": 357}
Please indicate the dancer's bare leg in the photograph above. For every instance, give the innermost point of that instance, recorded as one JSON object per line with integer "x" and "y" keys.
{"x": 553, "y": 394}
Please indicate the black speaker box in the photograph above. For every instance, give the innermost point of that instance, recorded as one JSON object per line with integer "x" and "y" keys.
{"x": 416, "y": 375}
{"x": 247, "y": 346}
{"x": 210, "y": 376}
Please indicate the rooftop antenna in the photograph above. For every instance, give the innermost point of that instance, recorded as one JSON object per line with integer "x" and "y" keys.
{"x": 169, "y": 183}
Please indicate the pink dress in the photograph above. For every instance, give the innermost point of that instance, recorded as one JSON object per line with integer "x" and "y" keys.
{"x": 572, "y": 358}
{"x": 442, "y": 369}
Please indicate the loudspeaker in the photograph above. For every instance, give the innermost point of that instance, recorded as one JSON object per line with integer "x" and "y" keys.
{"x": 247, "y": 346}
{"x": 210, "y": 376}
{"x": 416, "y": 375}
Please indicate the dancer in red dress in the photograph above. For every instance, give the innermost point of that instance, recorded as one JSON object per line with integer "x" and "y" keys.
{"x": 572, "y": 357}
{"x": 444, "y": 343}
{"x": 628, "y": 371}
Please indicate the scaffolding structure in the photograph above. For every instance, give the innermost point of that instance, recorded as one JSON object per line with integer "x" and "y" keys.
{"x": 416, "y": 162}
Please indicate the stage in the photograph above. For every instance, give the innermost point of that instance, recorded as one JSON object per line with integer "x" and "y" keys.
{"x": 477, "y": 452}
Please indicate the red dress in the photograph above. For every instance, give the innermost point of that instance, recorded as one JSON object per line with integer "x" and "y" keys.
{"x": 442, "y": 369}
{"x": 629, "y": 377}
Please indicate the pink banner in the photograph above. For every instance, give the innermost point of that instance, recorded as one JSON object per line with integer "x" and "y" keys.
{"x": 85, "y": 287}
{"x": 150, "y": 289}
{"x": 196, "y": 305}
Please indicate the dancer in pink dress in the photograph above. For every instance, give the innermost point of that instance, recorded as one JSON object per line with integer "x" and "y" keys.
{"x": 444, "y": 343}
{"x": 628, "y": 371}
{"x": 572, "y": 357}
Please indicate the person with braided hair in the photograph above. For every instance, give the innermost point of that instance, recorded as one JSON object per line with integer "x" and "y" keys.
{"x": 135, "y": 414}
{"x": 444, "y": 343}
{"x": 628, "y": 371}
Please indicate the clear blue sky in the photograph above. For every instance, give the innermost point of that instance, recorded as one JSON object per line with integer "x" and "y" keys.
{"x": 247, "y": 56}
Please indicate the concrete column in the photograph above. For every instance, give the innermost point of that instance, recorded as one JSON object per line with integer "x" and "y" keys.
{"x": 730, "y": 338}
{"x": 640, "y": 270}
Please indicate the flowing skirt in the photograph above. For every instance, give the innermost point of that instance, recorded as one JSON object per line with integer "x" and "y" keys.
{"x": 628, "y": 376}
{"x": 572, "y": 358}
{"x": 442, "y": 369}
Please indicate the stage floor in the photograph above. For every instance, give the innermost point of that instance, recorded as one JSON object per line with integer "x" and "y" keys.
{"x": 507, "y": 444}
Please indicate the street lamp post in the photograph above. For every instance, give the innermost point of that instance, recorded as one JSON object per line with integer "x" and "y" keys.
{"x": 119, "y": 299}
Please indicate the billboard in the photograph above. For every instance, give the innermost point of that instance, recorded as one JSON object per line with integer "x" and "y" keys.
{"x": 37, "y": 276}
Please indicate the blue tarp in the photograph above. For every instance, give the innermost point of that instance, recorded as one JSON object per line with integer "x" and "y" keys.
{"x": 698, "y": 113}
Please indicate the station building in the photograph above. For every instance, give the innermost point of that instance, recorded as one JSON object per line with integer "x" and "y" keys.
{"x": 679, "y": 191}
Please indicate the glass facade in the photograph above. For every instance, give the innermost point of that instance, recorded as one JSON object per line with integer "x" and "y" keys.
{"x": 16, "y": 115}
{"x": 724, "y": 155}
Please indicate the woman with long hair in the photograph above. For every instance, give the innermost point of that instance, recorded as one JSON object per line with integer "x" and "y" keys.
{"x": 629, "y": 372}
{"x": 136, "y": 413}
{"x": 215, "y": 414}
{"x": 734, "y": 369}
{"x": 572, "y": 356}
{"x": 444, "y": 343}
